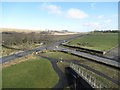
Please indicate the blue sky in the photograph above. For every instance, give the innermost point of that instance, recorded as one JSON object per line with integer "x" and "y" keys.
{"x": 77, "y": 16}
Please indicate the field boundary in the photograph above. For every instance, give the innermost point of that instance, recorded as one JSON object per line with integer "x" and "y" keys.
{"x": 107, "y": 51}
{"x": 84, "y": 49}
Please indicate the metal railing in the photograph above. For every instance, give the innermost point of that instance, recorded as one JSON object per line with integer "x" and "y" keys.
{"x": 88, "y": 76}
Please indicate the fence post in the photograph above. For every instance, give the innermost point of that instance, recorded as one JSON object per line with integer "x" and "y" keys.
{"x": 90, "y": 79}
{"x": 95, "y": 82}
{"x": 82, "y": 72}
{"x": 85, "y": 75}
{"x": 79, "y": 70}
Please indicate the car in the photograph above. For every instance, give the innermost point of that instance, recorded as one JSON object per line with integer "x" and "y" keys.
{"x": 19, "y": 55}
{"x": 64, "y": 41}
{"x": 61, "y": 61}
{"x": 56, "y": 46}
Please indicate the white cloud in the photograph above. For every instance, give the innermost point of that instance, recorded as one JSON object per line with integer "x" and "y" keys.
{"x": 101, "y": 16}
{"x": 51, "y": 8}
{"x": 95, "y": 25}
{"x": 75, "y": 13}
{"x": 108, "y": 21}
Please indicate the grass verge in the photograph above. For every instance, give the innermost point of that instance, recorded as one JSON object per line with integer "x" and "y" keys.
{"x": 103, "y": 81}
{"x": 61, "y": 56}
{"x": 98, "y": 41}
{"x": 109, "y": 71}
{"x": 35, "y": 73}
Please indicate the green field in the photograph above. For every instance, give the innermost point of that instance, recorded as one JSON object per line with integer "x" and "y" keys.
{"x": 97, "y": 41}
{"x": 111, "y": 72}
{"x": 15, "y": 41}
{"x": 103, "y": 81}
{"x": 36, "y": 73}
{"x": 61, "y": 56}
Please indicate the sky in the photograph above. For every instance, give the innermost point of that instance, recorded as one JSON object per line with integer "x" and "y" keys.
{"x": 72, "y": 16}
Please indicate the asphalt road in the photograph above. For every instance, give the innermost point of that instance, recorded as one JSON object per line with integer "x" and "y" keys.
{"x": 21, "y": 54}
{"x": 63, "y": 78}
{"x": 53, "y": 47}
{"x": 113, "y": 54}
{"x": 62, "y": 83}
{"x": 89, "y": 56}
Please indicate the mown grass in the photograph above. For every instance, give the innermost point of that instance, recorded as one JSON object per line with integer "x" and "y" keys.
{"x": 37, "y": 73}
{"x": 104, "y": 81}
{"x": 97, "y": 41}
{"x": 61, "y": 56}
{"x": 62, "y": 37}
{"x": 101, "y": 80}
{"x": 111, "y": 72}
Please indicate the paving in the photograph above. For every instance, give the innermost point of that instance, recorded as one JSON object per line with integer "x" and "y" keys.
{"x": 113, "y": 54}
{"x": 21, "y": 54}
{"x": 89, "y": 56}
{"x": 61, "y": 75}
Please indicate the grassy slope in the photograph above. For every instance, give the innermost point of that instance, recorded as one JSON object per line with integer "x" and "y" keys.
{"x": 63, "y": 65}
{"x": 98, "y": 41}
{"x": 30, "y": 74}
{"x": 28, "y": 46}
{"x": 111, "y": 72}
{"x": 7, "y": 51}
{"x": 61, "y": 55}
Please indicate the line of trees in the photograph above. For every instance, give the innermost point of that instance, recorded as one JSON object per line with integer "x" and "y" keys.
{"x": 107, "y": 31}
{"x": 14, "y": 38}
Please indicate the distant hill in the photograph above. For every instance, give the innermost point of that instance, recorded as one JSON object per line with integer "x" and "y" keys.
{"x": 52, "y": 32}
{"x": 18, "y": 30}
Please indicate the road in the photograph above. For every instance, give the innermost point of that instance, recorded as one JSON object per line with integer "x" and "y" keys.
{"x": 53, "y": 47}
{"x": 88, "y": 56}
{"x": 61, "y": 75}
{"x": 14, "y": 56}
{"x": 113, "y": 54}
{"x": 95, "y": 71}
{"x": 21, "y": 54}
{"x": 63, "y": 78}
